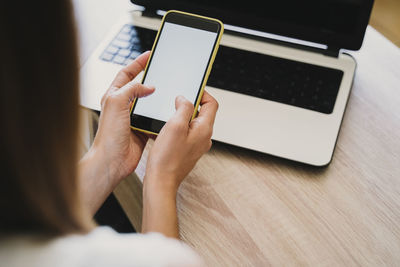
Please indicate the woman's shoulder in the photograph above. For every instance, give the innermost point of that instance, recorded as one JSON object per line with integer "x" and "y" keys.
{"x": 101, "y": 247}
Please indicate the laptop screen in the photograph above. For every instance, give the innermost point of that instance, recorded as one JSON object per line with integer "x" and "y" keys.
{"x": 336, "y": 23}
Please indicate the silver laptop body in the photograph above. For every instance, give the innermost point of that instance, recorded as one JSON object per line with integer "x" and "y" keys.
{"x": 263, "y": 125}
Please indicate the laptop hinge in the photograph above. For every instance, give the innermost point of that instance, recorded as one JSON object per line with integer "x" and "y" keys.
{"x": 332, "y": 51}
{"x": 150, "y": 12}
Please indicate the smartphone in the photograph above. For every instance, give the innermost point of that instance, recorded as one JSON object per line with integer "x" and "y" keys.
{"x": 179, "y": 64}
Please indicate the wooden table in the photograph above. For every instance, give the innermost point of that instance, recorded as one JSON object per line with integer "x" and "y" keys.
{"x": 243, "y": 208}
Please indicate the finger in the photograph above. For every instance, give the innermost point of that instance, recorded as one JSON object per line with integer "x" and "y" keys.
{"x": 142, "y": 136}
{"x": 129, "y": 72}
{"x": 124, "y": 97}
{"x": 208, "y": 109}
{"x": 134, "y": 90}
{"x": 152, "y": 136}
{"x": 184, "y": 111}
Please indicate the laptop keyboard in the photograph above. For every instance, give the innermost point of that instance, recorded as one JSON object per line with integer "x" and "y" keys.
{"x": 285, "y": 81}
{"x": 129, "y": 43}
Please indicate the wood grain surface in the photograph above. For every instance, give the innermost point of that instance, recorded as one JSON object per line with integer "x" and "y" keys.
{"x": 385, "y": 17}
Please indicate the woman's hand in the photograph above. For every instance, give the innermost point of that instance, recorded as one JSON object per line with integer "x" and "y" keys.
{"x": 121, "y": 147}
{"x": 116, "y": 149}
{"x": 176, "y": 150}
{"x": 180, "y": 144}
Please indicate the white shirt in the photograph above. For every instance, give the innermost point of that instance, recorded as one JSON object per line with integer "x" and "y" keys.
{"x": 101, "y": 247}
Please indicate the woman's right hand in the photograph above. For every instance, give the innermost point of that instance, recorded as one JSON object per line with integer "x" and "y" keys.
{"x": 180, "y": 144}
{"x": 176, "y": 150}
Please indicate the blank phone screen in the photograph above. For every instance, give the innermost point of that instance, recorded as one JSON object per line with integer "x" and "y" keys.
{"x": 177, "y": 67}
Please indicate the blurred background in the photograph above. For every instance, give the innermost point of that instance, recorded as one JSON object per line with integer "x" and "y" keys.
{"x": 385, "y": 18}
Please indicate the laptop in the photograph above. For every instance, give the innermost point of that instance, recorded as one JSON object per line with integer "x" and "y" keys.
{"x": 282, "y": 76}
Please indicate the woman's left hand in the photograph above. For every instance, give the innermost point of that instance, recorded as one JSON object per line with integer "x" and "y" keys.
{"x": 118, "y": 147}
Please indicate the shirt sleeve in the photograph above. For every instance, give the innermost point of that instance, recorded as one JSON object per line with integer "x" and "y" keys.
{"x": 109, "y": 248}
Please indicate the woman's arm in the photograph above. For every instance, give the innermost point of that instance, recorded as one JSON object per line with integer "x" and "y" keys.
{"x": 116, "y": 149}
{"x": 95, "y": 182}
{"x": 159, "y": 209}
{"x": 174, "y": 154}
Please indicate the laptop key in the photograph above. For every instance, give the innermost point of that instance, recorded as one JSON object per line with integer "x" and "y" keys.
{"x": 134, "y": 54}
{"x": 121, "y": 44}
{"x": 107, "y": 56}
{"x": 112, "y": 49}
{"x": 135, "y": 41}
{"x": 119, "y": 60}
{"x": 124, "y": 52}
{"x": 124, "y": 36}
{"x": 126, "y": 29}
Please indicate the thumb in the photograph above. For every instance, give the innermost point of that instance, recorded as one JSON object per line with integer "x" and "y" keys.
{"x": 184, "y": 109}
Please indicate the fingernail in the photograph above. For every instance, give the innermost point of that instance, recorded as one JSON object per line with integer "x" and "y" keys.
{"x": 181, "y": 98}
{"x": 150, "y": 87}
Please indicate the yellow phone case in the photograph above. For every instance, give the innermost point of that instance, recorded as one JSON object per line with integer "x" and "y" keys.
{"x": 214, "y": 53}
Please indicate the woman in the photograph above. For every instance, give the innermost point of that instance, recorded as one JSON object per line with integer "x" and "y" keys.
{"x": 47, "y": 198}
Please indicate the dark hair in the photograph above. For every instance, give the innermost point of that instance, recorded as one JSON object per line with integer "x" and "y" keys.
{"x": 39, "y": 118}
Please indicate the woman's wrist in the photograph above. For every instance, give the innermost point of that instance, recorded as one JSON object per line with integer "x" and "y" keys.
{"x": 160, "y": 183}
{"x": 95, "y": 180}
{"x": 103, "y": 165}
{"x": 159, "y": 206}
